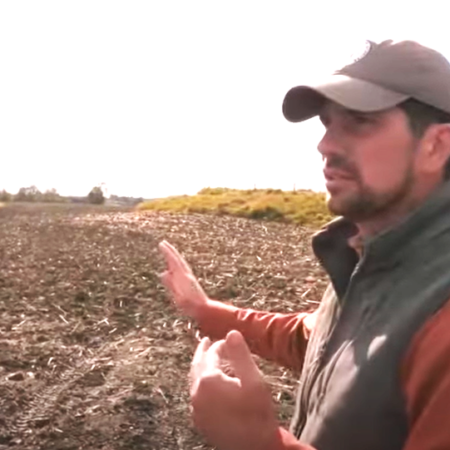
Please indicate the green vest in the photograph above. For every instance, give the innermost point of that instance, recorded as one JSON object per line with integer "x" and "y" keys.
{"x": 350, "y": 395}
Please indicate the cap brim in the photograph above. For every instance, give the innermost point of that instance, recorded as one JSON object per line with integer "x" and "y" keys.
{"x": 304, "y": 102}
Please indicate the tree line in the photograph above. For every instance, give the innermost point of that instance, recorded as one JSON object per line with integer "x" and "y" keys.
{"x": 33, "y": 194}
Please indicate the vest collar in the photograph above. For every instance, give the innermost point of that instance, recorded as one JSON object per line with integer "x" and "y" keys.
{"x": 337, "y": 243}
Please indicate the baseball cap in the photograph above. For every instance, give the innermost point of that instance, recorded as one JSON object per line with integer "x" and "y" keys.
{"x": 381, "y": 76}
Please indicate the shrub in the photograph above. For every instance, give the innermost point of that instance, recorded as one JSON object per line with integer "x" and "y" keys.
{"x": 303, "y": 207}
{"x": 213, "y": 191}
{"x": 5, "y": 196}
{"x": 267, "y": 212}
{"x": 96, "y": 196}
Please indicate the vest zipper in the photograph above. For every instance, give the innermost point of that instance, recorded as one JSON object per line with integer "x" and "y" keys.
{"x": 318, "y": 364}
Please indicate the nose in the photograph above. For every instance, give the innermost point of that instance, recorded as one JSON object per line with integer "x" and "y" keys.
{"x": 329, "y": 145}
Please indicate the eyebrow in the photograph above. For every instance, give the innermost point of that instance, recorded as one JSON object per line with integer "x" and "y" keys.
{"x": 351, "y": 112}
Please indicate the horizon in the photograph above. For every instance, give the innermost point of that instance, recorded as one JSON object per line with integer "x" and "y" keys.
{"x": 112, "y": 194}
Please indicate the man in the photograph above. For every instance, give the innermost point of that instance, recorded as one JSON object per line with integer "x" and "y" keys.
{"x": 375, "y": 356}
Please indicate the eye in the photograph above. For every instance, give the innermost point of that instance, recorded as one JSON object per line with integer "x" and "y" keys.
{"x": 361, "y": 119}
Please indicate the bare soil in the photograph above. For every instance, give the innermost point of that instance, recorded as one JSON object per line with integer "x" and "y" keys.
{"x": 93, "y": 354}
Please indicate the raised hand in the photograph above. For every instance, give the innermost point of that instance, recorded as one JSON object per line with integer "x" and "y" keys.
{"x": 186, "y": 291}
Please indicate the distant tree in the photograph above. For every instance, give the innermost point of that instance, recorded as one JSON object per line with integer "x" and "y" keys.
{"x": 28, "y": 194}
{"x": 96, "y": 196}
{"x": 51, "y": 196}
{"x": 5, "y": 196}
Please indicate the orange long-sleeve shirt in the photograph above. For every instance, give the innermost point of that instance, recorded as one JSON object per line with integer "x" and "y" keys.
{"x": 425, "y": 370}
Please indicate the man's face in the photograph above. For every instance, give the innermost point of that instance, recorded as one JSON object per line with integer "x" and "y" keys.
{"x": 368, "y": 160}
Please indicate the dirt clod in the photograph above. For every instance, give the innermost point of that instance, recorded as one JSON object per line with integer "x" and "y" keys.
{"x": 18, "y": 376}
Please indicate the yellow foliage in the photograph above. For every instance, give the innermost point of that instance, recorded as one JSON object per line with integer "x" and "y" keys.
{"x": 303, "y": 207}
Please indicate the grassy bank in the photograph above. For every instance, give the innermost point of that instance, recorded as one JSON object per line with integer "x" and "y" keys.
{"x": 302, "y": 207}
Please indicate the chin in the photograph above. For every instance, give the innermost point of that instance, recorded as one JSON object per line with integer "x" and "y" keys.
{"x": 333, "y": 207}
{"x": 334, "y": 203}
{"x": 340, "y": 204}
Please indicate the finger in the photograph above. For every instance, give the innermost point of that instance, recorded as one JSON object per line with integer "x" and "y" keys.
{"x": 167, "y": 280}
{"x": 198, "y": 364}
{"x": 240, "y": 358}
{"x": 178, "y": 258}
{"x": 175, "y": 257}
{"x": 168, "y": 256}
{"x": 216, "y": 360}
{"x": 208, "y": 357}
{"x": 170, "y": 282}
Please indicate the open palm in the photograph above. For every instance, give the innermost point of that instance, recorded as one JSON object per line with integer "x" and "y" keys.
{"x": 186, "y": 291}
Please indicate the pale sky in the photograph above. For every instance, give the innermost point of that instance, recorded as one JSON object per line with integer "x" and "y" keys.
{"x": 158, "y": 98}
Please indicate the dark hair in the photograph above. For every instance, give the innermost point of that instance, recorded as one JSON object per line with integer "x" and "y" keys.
{"x": 420, "y": 117}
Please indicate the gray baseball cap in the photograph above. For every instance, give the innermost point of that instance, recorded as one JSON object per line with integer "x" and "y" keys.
{"x": 382, "y": 76}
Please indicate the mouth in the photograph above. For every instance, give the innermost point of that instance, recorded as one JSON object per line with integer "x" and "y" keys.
{"x": 335, "y": 179}
{"x": 336, "y": 174}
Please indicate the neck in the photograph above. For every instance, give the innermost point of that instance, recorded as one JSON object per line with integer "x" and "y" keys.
{"x": 392, "y": 216}
{"x": 382, "y": 222}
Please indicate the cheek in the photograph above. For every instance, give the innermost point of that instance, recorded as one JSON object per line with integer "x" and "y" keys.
{"x": 383, "y": 168}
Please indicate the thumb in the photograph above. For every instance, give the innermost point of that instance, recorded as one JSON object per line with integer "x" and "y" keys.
{"x": 241, "y": 359}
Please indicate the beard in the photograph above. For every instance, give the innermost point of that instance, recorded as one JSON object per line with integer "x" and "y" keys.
{"x": 364, "y": 203}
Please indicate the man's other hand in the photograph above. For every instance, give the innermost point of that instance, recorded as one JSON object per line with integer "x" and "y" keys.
{"x": 231, "y": 404}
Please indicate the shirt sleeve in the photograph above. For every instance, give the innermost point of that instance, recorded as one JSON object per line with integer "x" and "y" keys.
{"x": 281, "y": 338}
{"x": 426, "y": 382}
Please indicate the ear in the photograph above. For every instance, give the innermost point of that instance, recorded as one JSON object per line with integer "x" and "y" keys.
{"x": 435, "y": 146}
